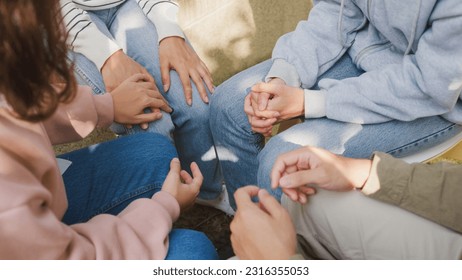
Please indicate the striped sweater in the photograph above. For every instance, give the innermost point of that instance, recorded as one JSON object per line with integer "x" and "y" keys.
{"x": 87, "y": 39}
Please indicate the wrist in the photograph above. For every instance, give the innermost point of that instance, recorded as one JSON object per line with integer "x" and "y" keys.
{"x": 361, "y": 169}
{"x": 110, "y": 60}
{"x": 300, "y": 102}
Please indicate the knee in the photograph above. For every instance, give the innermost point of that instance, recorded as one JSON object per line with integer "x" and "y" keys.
{"x": 190, "y": 244}
{"x": 147, "y": 146}
{"x": 227, "y": 108}
{"x": 217, "y": 103}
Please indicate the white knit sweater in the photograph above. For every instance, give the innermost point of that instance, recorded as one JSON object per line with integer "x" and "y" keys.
{"x": 86, "y": 38}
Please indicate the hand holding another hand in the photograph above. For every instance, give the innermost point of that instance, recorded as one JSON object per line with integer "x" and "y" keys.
{"x": 288, "y": 101}
{"x": 255, "y": 106}
{"x": 273, "y": 102}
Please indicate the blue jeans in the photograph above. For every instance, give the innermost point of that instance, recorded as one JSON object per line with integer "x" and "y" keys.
{"x": 188, "y": 126}
{"x": 246, "y": 160}
{"x": 106, "y": 177}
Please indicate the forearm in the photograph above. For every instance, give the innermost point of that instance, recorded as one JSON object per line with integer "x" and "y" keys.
{"x": 76, "y": 120}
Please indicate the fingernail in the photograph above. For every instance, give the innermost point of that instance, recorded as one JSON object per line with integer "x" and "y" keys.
{"x": 165, "y": 88}
{"x": 144, "y": 126}
{"x": 284, "y": 182}
{"x": 189, "y": 101}
{"x": 176, "y": 159}
{"x": 213, "y": 89}
{"x": 206, "y": 99}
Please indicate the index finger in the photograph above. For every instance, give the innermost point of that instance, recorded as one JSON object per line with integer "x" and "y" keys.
{"x": 281, "y": 164}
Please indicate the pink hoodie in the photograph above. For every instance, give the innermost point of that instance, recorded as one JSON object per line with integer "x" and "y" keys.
{"x": 33, "y": 198}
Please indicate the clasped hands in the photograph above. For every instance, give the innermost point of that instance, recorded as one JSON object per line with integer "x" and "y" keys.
{"x": 270, "y": 103}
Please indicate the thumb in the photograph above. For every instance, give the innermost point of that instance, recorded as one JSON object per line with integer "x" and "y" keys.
{"x": 299, "y": 178}
{"x": 269, "y": 203}
{"x": 175, "y": 165}
{"x": 138, "y": 77}
{"x": 243, "y": 196}
{"x": 272, "y": 89}
{"x": 174, "y": 173}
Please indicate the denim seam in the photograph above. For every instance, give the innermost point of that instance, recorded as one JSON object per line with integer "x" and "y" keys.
{"x": 124, "y": 198}
{"x": 88, "y": 81}
{"x": 422, "y": 140}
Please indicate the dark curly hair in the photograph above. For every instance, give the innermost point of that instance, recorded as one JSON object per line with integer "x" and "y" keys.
{"x": 32, "y": 55}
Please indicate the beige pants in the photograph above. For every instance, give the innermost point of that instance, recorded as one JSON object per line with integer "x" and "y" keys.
{"x": 350, "y": 225}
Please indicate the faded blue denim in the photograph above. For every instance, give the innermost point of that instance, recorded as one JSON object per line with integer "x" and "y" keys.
{"x": 246, "y": 160}
{"x": 188, "y": 126}
{"x": 106, "y": 177}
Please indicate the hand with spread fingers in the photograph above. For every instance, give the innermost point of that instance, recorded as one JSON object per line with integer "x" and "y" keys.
{"x": 181, "y": 185}
{"x": 134, "y": 95}
{"x": 299, "y": 172}
{"x": 261, "y": 230}
{"x": 176, "y": 54}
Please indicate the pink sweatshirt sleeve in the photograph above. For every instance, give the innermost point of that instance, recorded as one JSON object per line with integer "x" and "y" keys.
{"x": 31, "y": 227}
{"x": 76, "y": 120}
{"x": 33, "y": 199}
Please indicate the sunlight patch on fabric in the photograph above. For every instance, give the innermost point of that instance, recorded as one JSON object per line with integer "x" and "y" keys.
{"x": 223, "y": 153}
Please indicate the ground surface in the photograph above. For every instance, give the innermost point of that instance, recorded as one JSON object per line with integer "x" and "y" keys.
{"x": 214, "y": 223}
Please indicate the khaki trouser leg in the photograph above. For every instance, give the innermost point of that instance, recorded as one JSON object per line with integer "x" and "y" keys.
{"x": 350, "y": 225}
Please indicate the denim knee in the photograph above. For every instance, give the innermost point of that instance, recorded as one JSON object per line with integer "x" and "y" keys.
{"x": 186, "y": 244}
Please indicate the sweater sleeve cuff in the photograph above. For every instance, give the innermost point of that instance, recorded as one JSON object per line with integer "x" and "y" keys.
{"x": 372, "y": 184}
{"x": 315, "y": 103}
{"x": 169, "y": 203}
{"x": 285, "y": 71}
{"x": 105, "y": 109}
{"x": 164, "y": 17}
{"x": 98, "y": 53}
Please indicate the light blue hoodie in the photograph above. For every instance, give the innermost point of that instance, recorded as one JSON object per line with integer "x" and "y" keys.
{"x": 411, "y": 51}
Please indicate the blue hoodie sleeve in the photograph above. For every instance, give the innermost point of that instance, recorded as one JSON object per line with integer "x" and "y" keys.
{"x": 416, "y": 87}
{"x": 310, "y": 48}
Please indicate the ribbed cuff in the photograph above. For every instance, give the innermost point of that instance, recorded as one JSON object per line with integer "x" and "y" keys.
{"x": 315, "y": 103}
{"x": 285, "y": 71}
{"x": 164, "y": 17}
{"x": 105, "y": 109}
{"x": 169, "y": 203}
